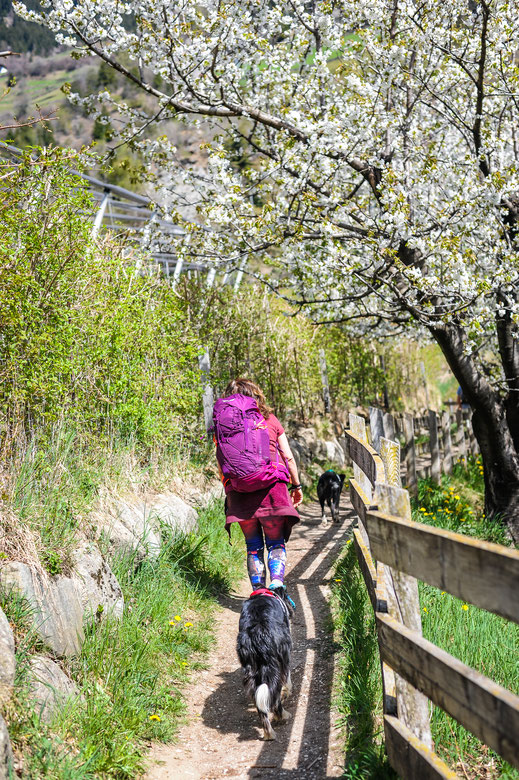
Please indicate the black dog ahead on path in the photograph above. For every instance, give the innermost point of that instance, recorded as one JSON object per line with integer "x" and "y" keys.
{"x": 329, "y": 490}
{"x": 264, "y": 645}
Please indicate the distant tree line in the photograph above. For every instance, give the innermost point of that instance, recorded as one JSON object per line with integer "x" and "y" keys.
{"x": 21, "y": 36}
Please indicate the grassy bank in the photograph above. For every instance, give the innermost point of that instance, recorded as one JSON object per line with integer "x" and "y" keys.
{"x": 130, "y": 673}
{"x": 463, "y": 630}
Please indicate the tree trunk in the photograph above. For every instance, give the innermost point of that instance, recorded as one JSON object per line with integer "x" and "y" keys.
{"x": 495, "y": 426}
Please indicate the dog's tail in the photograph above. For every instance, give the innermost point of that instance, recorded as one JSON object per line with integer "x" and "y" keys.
{"x": 262, "y": 699}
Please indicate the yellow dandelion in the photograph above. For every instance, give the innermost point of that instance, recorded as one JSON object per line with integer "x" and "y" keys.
{"x": 425, "y": 609}
{"x": 443, "y": 593}
{"x": 465, "y": 607}
{"x": 462, "y": 519}
{"x": 177, "y": 618}
{"x": 184, "y": 663}
{"x": 423, "y": 509}
{"x": 338, "y": 580}
{"x": 187, "y": 625}
{"x": 154, "y": 717}
{"x": 457, "y": 498}
{"x": 172, "y": 623}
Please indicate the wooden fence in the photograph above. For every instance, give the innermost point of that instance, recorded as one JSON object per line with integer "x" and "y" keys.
{"x": 392, "y": 552}
{"x": 431, "y": 443}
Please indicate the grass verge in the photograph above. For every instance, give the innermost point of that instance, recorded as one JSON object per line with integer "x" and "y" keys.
{"x": 131, "y": 672}
{"x": 478, "y": 638}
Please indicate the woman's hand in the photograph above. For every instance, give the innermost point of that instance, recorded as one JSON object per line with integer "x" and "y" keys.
{"x": 297, "y": 496}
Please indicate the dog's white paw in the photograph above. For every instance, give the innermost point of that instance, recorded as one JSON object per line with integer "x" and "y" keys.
{"x": 269, "y": 734}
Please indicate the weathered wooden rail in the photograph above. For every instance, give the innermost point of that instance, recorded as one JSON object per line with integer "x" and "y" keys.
{"x": 393, "y": 552}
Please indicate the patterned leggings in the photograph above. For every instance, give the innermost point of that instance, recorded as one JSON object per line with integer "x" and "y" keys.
{"x": 272, "y": 529}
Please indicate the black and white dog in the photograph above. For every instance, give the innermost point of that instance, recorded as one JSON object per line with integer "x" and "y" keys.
{"x": 329, "y": 489}
{"x": 264, "y": 645}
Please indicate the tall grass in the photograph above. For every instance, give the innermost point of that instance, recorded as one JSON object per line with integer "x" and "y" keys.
{"x": 131, "y": 672}
{"x": 359, "y": 691}
{"x": 480, "y": 639}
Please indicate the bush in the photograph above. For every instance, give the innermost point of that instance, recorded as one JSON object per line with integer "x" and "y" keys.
{"x": 86, "y": 335}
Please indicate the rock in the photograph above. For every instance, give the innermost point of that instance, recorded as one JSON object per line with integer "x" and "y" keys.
{"x": 170, "y": 510}
{"x": 335, "y": 453}
{"x": 302, "y": 454}
{"x": 7, "y": 662}
{"x": 50, "y": 687}
{"x": 97, "y": 583}
{"x": 6, "y": 753}
{"x": 200, "y": 498}
{"x": 56, "y": 604}
{"x": 308, "y": 438}
{"x": 126, "y": 525}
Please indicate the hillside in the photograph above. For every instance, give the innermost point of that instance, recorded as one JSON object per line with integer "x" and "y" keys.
{"x": 21, "y": 36}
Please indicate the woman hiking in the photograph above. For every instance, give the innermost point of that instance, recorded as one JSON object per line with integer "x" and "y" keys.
{"x": 256, "y": 465}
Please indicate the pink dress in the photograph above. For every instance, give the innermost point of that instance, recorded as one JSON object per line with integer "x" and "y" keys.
{"x": 273, "y": 501}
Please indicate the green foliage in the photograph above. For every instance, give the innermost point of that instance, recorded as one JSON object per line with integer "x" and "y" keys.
{"x": 457, "y": 503}
{"x": 131, "y": 672}
{"x": 255, "y": 334}
{"x": 85, "y": 335}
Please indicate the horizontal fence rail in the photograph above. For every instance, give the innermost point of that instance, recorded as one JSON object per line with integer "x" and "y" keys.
{"x": 393, "y": 552}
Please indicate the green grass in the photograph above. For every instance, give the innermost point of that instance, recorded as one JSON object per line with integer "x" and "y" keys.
{"x": 358, "y": 695}
{"x": 480, "y": 639}
{"x": 131, "y": 672}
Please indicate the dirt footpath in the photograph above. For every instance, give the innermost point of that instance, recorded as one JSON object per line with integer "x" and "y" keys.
{"x": 222, "y": 738}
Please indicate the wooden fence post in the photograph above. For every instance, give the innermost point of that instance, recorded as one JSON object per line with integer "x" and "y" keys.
{"x": 208, "y": 394}
{"x": 389, "y": 427}
{"x": 410, "y": 455}
{"x": 324, "y": 380}
{"x": 376, "y": 423}
{"x": 390, "y": 454}
{"x": 473, "y": 444}
{"x": 404, "y": 605}
{"x": 434, "y": 446}
{"x": 358, "y": 428}
{"x": 447, "y": 442}
{"x": 460, "y": 436}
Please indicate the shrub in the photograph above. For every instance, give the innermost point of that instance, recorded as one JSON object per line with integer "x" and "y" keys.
{"x": 86, "y": 334}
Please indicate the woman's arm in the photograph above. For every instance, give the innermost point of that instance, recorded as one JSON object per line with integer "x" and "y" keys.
{"x": 286, "y": 452}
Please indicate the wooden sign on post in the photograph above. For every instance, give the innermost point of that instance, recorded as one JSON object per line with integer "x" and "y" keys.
{"x": 434, "y": 446}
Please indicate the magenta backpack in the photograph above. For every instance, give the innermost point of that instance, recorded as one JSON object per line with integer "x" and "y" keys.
{"x": 242, "y": 445}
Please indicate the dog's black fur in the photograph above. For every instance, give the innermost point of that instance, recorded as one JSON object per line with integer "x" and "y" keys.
{"x": 264, "y": 645}
{"x": 329, "y": 490}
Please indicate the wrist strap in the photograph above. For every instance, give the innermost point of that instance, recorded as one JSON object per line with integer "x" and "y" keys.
{"x": 295, "y": 487}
